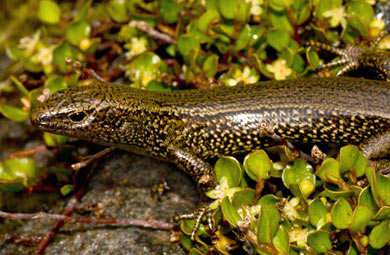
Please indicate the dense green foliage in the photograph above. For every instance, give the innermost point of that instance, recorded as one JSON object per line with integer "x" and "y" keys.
{"x": 171, "y": 44}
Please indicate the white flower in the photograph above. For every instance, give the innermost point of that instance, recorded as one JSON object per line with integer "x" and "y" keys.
{"x": 29, "y": 43}
{"x": 256, "y": 9}
{"x": 279, "y": 69}
{"x": 289, "y": 208}
{"x": 221, "y": 191}
{"x": 45, "y": 55}
{"x": 136, "y": 46}
{"x": 247, "y": 76}
{"x": 337, "y": 16}
{"x": 299, "y": 236}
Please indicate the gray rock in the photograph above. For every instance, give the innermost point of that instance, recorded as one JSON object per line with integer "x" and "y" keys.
{"x": 122, "y": 183}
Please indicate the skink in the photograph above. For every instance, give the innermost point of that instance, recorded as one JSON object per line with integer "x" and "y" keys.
{"x": 188, "y": 127}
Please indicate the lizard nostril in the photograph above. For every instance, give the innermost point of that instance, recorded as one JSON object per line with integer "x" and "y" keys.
{"x": 41, "y": 119}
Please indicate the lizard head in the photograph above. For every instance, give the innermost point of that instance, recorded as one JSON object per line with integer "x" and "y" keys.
{"x": 100, "y": 111}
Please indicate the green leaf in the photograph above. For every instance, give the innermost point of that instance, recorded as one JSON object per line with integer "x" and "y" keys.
{"x": 268, "y": 223}
{"x": 360, "y": 14}
{"x": 280, "y": 20}
{"x": 169, "y": 10}
{"x": 14, "y": 113}
{"x": 21, "y": 167}
{"x": 298, "y": 64}
{"x": 269, "y": 199}
{"x": 49, "y": 12}
{"x": 352, "y": 159}
{"x": 157, "y": 86}
{"x": 185, "y": 43}
{"x": 361, "y": 9}
{"x": 371, "y": 177}
{"x": 33, "y": 96}
{"x": 360, "y": 219}
{"x": 319, "y": 241}
{"x": 383, "y": 213}
{"x": 228, "y": 8}
{"x": 329, "y": 171}
{"x": 77, "y": 31}
{"x": 317, "y": 211}
{"x": 380, "y": 235}
{"x": 243, "y": 38}
{"x": 256, "y": 34}
{"x": 55, "y": 83}
{"x": 210, "y": 65}
{"x": 229, "y": 168}
{"x": 62, "y": 52}
{"x": 303, "y": 11}
{"x": 212, "y": 5}
{"x": 144, "y": 68}
{"x": 278, "y": 38}
{"x": 366, "y": 199}
{"x": 383, "y": 184}
{"x": 322, "y": 7}
{"x": 357, "y": 23}
{"x": 379, "y": 187}
{"x": 186, "y": 242}
{"x": 243, "y": 11}
{"x": 117, "y": 10}
{"x": 312, "y": 58}
{"x": 243, "y": 197}
{"x": 277, "y": 5}
{"x": 53, "y": 140}
{"x": 195, "y": 251}
{"x": 22, "y": 89}
{"x": 208, "y": 18}
{"x": 341, "y": 214}
{"x": 284, "y": 153}
{"x": 336, "y": 194}
{"x": 14, "y": 53}
{"x": 257, "y": 165}
{"x": 288, "y": 55}
{"x": 299, "y": 178}
{"x": 281, "y": 240}
{"x": 66, "y": 189}
{"x": 230, "y": 212}
{"x": 187, "y": 226}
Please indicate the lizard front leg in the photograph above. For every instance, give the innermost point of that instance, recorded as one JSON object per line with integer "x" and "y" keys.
{"x": 203, "y": 174}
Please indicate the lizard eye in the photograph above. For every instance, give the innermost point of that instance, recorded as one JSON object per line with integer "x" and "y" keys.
{"x": 77, "y": 116}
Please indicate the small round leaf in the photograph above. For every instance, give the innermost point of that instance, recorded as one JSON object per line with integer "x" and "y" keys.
{"x": 49, "y": 12}
{"x": 230, "y": 212}
{"x": 380, "y": 235}
{"x": 229, "y": 168}
{"x": 320, "y": 241}
{"x": 268, "y": 223}
{"x": 14, "y": 113}
{"x": 228, "y": 8}
{"x": 360, "y": 219}
{"x": 186, "y": 43}
{"x": 341, "y": 214}
{"x": 258, "y": 165}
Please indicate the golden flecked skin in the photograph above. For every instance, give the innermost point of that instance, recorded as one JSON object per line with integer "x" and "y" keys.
{"x": 187, "y": 127}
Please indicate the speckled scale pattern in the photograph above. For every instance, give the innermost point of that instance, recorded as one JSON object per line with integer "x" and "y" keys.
{"x": 188, "y": 127}
{"x": 220, "y": 121}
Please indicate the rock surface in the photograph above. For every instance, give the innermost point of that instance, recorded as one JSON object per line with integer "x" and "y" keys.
{"x": 122, "y": 183}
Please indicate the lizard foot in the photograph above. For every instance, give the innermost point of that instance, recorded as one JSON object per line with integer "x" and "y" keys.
{"x": 202, "y": 209}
